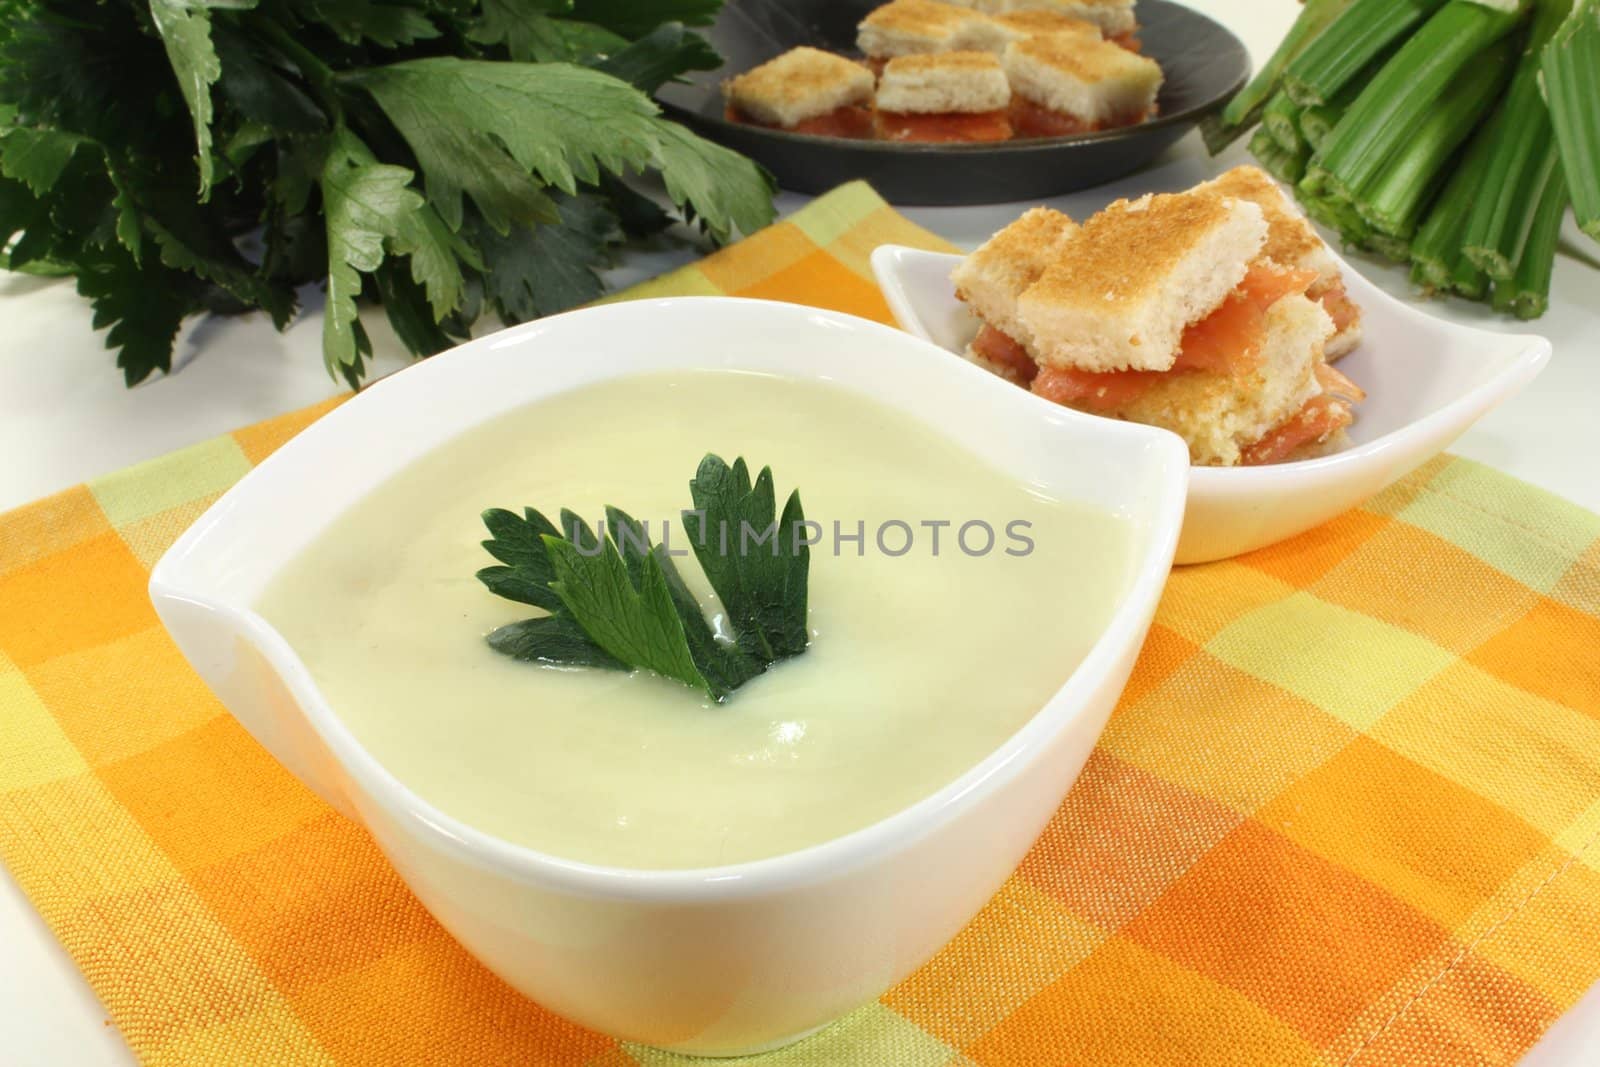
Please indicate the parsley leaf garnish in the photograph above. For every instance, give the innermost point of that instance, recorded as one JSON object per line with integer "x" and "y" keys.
{"x": 616, "y": 601}
{"x": 755, "y": 561}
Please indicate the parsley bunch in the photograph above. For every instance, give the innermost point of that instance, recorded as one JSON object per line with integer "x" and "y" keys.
{"x": 442, "y": 156}
{"x": 617, "y": 602}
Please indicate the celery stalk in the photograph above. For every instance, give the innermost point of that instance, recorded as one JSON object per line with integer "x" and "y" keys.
{"x": 1338, "y": 215}
{"x": 1317, "y": 122}
{"x": 1351, "y": 41}
{"x": 1571, "y": 77}
{"x": 1389, "y": 246}
{"x": 1281, "y": 119}
{"x": 1285, "y": 165}
{"x": 1467, "y": 279}
{"x": 1502, "y": 215}
{"x": 1526, "y": 294}
{"x": 1244, "y": 110}
{"x": 1395, "y": 104}
{"x": 1400, "y": 192}
{"x": 1437, "y": 245}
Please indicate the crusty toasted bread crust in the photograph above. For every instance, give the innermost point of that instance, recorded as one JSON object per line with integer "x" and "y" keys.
{"x": 1344, "y": 342}
{"x": 966, "y": 82}
{"x": 1291, "y": 242}
{"x": 1036, "y": 23}
{"x": 1134, "y": 276}
{"x": 991, "y": 279}
{"x": 912, "y": 27}
{"x": 1090, "y": 79}
{"x": 997, "y": 31}
{"x": 798, "y": 85}
{"x": 1114, "y": 17}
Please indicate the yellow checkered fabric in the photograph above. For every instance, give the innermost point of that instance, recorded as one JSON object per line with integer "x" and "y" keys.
{"x": 1344, "y": 815}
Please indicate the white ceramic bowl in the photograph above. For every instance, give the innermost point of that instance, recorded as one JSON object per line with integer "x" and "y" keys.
{"x": 722, "y": 960}
{"x": 1426, "y": 382}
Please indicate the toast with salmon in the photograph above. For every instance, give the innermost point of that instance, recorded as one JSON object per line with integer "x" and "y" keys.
{"x": 948, "y": 97}
{"x": 1166, "y": 311}
{"x": 920, "y": 27}
{"x": 990, "y": 280}
{"x": 1064, "y": 84}
{"x": 805, "y": 90}
{"x": 1292, "y": 242}
{"x": 1116, "y": 18}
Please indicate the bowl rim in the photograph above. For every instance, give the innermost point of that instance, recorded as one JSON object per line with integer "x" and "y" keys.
{"x": 1224, "y": 482}
{"x": 1186, "y": 117}
{"x": 877, "y": 840}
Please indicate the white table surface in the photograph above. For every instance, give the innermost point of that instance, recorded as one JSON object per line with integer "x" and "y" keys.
{"x": 65, "y": 417}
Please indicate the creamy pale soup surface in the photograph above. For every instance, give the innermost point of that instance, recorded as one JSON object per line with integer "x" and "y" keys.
{"x": 919, "y": 665}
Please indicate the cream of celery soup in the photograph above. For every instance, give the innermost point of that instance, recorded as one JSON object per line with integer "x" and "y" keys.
{"x": 920, "y": 663}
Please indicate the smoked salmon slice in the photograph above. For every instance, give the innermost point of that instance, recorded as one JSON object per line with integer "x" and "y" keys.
{"x": 852, "y": 121}
{"x": 1097, "y": 391}
{"x": 1229, "y": 339}
{"x": 1225, "y": 342}
{"x": 999, "y": 348}
{"x": 1321, "y": 418}
{"x": 950, "y": 128}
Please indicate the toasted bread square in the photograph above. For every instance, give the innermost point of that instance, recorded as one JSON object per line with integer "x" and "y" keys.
{"x": 1114, "y": 17}
{"x": 946, "y": 82}
{"x": 1133, "y": 277}
{"x": 991, "y": 279}
{"x": 916, "y": 27}
{"x": 801, "y": 84}
{"x": 1292, "y": 242}
{"x": 1220, "y": 415}
{"x": 1344, "y": 342}
{"x": 1020, "y": 25}
{"x": 1095, "y": 81}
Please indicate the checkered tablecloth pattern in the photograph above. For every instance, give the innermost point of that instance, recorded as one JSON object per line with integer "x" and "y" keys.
{"x": 1345, "y": 814}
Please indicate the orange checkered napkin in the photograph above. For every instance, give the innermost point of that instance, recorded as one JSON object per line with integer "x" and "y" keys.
{"x": 1345, "y": 814}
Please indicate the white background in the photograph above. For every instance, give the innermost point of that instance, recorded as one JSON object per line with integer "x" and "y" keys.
{"x": 65, "y": 417}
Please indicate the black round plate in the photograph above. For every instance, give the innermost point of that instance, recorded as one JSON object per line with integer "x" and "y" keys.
{"x": 1203, "y": 63}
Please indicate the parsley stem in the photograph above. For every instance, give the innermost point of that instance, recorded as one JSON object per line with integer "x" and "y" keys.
{"x": 319, "y": 77}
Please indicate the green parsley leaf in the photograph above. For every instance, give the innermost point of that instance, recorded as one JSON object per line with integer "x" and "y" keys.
{"x": 355, "y": 21}
{"x": 518, "y": 543}
{"x": 757, "y": 562}
{"x": 365, "y": 203}
{"x": 185, "y": 28}
{"x": 545, "y": 269}
{"x": 37, "y": 156}
{"x": 724, "y": 189}
{"x": 624, "y": 595}
{"x": 258, "y": 88}
{"x": 659, "y": 56}
{"x": 725, "y": 666}
{"x": 143, "y": 304}
{"x": 129, "y": 234}
{"x": 556, "y": 640}
{"x": 405, "y": 302}
{"x": 637, "y": 624}
{"x": 530, "y": 35}
{"x": 480, "y": 128}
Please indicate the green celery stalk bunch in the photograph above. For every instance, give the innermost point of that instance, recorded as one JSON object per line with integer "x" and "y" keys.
{"x": 442, "y": 157}
{"x": 1450, "y": 135}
